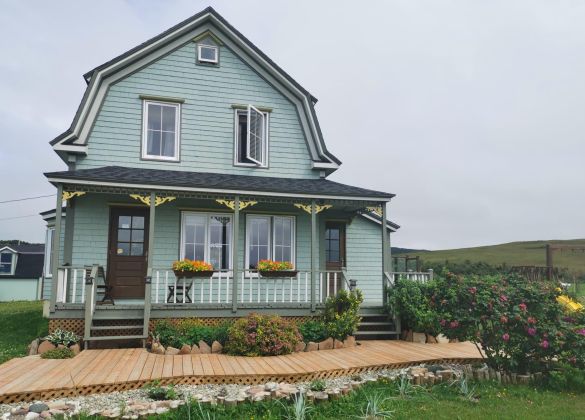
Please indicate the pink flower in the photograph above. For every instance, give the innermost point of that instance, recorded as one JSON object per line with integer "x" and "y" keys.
{"x": 531, "y": 331}
{"x": 504, "y": 319}
{"x": 503, "y": 298}
{"x": 531, "y": 320}
{"x": 522, "y": 307}
{"x": 544, "y": 344}
{"x": 443, "y": 322}
{"x": 473, "y": 290}
{"x": 581, "y": 331}
{"x": 506, "y": 337}
{"x": 454, "y": 324}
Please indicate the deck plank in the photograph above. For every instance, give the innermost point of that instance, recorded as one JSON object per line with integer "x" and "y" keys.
{"x": 96, "y": 370}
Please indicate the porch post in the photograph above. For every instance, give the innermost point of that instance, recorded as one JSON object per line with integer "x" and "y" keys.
{"x": 236, "y": 253}
{"x": 385, "y": 252}
{"x": 314, "y": 251}
{"x": 148, "y": 279}
{"x": 55, "y": 250}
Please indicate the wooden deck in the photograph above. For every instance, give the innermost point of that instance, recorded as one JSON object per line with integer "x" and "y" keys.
{"x": 94, "y": 371}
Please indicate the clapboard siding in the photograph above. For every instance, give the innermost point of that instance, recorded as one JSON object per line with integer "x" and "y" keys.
{"x": 207, "y": 119}
{"x": 364, "y": 258}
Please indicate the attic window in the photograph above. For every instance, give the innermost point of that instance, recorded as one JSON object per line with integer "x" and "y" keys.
{"x": 6, "y": 263}
{"x": 251, "y": 142}
{"x": 207, "y": 53}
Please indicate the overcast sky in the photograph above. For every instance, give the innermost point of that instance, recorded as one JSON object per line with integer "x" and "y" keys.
{"x": 472, "y": 112}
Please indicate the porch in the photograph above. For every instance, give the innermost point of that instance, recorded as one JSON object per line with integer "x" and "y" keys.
{"x": 119, "y": 240}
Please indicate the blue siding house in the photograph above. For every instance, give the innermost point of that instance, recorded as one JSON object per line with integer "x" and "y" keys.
{"x": 197, "y": 145}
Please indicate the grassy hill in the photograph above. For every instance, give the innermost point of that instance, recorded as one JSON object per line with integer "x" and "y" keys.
{"x": 513, "y": 253}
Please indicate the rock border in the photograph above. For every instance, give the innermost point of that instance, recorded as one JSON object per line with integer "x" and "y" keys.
{"x": 39, "y": 346}
{"x": 203, "y": 348}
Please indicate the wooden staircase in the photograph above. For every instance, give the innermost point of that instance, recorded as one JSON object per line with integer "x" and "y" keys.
{"x": 376, "y": 324}
{"x": 108, "y": 322}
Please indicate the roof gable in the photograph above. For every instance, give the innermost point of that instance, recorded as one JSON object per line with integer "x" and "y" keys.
{"x": 74, "y": 140}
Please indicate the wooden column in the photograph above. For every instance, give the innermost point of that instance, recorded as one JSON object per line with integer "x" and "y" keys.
{"x": 236, "y": 253}
{"x": 55, "y": 250}
{"x": 385, "y": 252}
{"x": 314, "y": 253}
{"x": 148, "y": 279}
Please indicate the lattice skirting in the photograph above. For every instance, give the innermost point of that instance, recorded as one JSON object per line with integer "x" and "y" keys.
{"x": 77, "y": 325}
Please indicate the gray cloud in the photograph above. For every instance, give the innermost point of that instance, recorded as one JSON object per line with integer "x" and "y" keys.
{"x": 470, "y": 111}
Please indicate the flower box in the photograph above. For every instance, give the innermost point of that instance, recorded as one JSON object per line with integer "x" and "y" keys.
{"x": 278, "y": 273}
{"x": 193, "y": 274}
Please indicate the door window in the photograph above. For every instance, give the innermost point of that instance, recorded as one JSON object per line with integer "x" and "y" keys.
{"x": 130, "y": 239}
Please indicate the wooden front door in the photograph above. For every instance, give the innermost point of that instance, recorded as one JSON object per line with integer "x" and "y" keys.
{"x": 128, "y": 251}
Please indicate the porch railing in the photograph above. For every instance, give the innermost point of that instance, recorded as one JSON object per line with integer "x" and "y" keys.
{"x": 71, "y": 284}
{"x": 421, "y": 276}
{"x": 252, "y": 288}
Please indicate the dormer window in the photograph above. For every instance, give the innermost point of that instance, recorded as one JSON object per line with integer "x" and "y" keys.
{"x": 251, "y": 137}
{"x": 207, "y": 54}
{"x": 160, "y": 138}
{"x": 7, "y": 263}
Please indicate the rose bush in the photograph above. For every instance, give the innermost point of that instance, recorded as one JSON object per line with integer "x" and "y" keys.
{"x": 518, "y": 323}
{"x": 262, "y": 335}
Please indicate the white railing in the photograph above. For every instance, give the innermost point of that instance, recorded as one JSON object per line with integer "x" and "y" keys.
{"x": 252, "y": 288}
{"x": 423, "y": 276}
{"x": 71, "y": 284}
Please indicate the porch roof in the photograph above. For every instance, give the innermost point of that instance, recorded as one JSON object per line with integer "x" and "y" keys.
{"x": 118, "y": 176}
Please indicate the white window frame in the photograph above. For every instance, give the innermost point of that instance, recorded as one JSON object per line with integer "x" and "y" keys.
{"x": 266, "y": 143}
{"x": 207, "y": 216}
{"x": 145, "y": 154}
{"x": 271, "y": 245}
{"x": 12, "y": 263}
{"x": 48, "y": 248}
{"x": 206, "y": 60}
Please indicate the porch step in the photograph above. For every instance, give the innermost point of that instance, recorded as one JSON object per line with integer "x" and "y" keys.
{"x": 116, "y": 327}
{"x": 117, "y": 337}
{"x": 376, "y": 325}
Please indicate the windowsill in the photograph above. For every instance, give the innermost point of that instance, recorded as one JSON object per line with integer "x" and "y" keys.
{"x": 161, "y": 159}
{"x": 251, "y": 165}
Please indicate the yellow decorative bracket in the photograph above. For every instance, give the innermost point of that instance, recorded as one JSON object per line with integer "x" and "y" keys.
{"x": 145, "y": 199}
{"x": 70, "y": 194}
{"x": 318, "y": 208}
{"x": 232, "y": 204}
{"x": 377, "y": 210}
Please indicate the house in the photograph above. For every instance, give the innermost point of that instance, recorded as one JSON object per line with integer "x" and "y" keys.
{"x": 196, "y": 145}
{"x": 21, "y": 271}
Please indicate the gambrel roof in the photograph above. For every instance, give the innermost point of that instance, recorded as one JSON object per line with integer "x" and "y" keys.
{"x": 74, "y": 140}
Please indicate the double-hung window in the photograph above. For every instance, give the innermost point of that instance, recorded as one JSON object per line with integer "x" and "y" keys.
{"x": 207, "y": 237}
{"x": 161, "y": 136}
{"x": 251, "y": 137}
{"x": 7, "y": 263}
{"x": 269, "y": 238}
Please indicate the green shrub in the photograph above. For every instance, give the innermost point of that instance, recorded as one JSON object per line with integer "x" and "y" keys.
{"x": 189, "y": 331}
{"x": 566, "y": 379}
{"x": 262, "y": 335}
{"x": 412, "y": 302}
{"x": 155, "y": 391}
{"x": 318, "y": 385}
{"x": 313, "y": 330}
{"x": 62, "y": 337}
{"x": 62, "y": 353}
{"x": 341, "y": 314}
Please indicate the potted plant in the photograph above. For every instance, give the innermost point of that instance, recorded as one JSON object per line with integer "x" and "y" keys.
{"x": 190, "y": 268}
{"x": 269, "y": 268}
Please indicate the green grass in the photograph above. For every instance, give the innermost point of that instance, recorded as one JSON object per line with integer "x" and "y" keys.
{"x": 20, "y": 323}
{"x": 513, "y": 253}
{"x": 443, "y": 402}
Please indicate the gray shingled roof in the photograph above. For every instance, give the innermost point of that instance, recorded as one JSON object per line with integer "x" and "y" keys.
{"x": 29, "y": 264}
{"x": 216, "y": 181}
